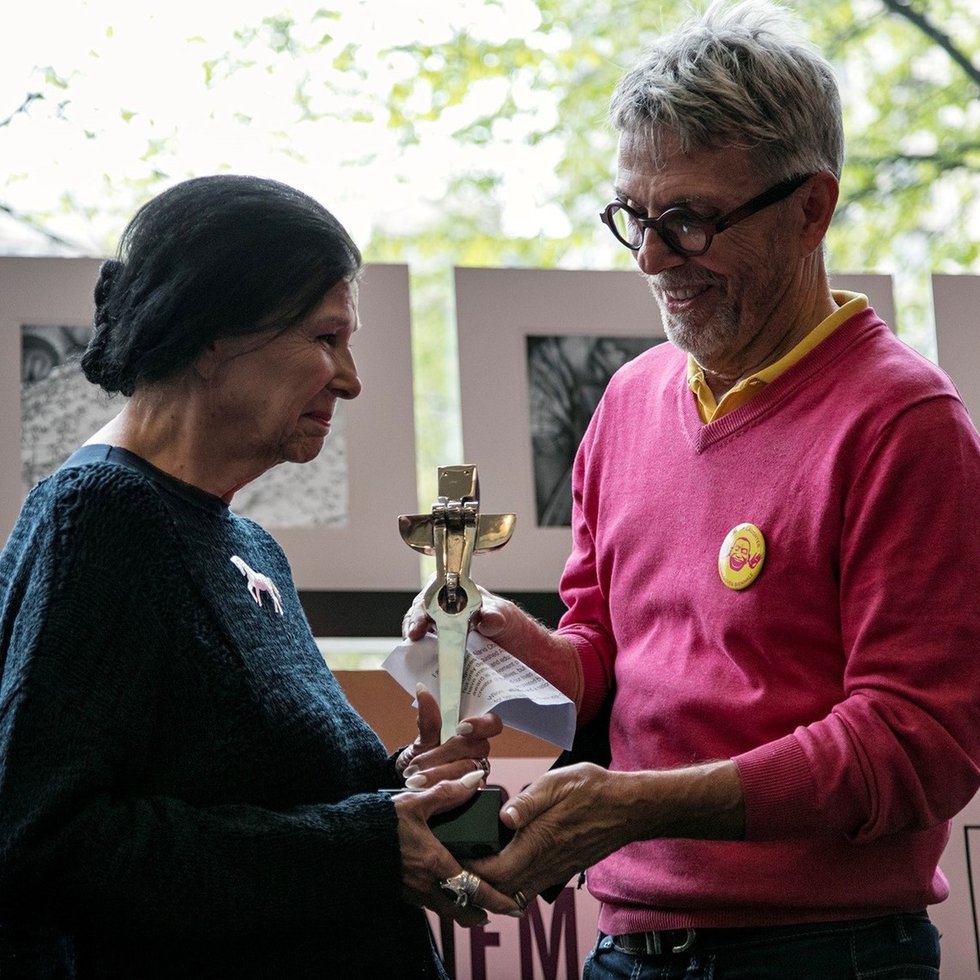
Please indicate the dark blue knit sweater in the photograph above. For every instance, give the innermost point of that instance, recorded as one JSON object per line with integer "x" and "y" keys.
{"x": 184, "y": 789}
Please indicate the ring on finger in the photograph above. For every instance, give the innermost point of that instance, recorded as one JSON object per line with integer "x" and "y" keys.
{"x": 521, "y": 901}
{"x": 461, "y": 888}
{"x": 404, "y": 759}
{"x": 483, "y": 764}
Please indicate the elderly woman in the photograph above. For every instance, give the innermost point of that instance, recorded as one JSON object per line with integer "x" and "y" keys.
{"x": 184, "y": 789}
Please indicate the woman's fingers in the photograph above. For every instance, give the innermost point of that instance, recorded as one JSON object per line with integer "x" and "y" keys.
{"x": 462, "y": 753}
{"x": 416, "y": 778}
{"x": 431, "y": 875}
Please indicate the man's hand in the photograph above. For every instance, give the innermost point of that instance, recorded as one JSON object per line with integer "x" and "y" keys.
{"x": 570, "y": 818}
{"x": 550, "y": 655}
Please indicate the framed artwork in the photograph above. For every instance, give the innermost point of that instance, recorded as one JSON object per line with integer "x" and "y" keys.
{"x": 336, "y": 517}
{"x": 958, "y": 918}
{"x": 536, "y": 348}
{"x": 876, "y": 286}
{"x": 955, "y": 301}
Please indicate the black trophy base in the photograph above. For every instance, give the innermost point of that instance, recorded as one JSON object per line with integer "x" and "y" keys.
{"x": 473, "y": 830}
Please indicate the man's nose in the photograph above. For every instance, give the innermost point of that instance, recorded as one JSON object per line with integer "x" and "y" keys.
{"x": 655, "y": 255}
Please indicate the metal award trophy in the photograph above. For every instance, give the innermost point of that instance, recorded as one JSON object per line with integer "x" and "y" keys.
{"x": 454, "y": 532}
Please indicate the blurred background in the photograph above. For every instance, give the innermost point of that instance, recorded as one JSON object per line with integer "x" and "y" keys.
{"x": 471, "y": 133}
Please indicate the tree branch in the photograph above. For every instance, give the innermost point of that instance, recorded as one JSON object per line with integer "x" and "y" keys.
{"x": 904, "y": 9}
{"x": 40, "y": 229}
{"x": 28, "y": 99}
{"x": 954, "y": 156}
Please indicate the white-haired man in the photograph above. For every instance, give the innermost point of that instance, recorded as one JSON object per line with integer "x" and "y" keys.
{"x": 790, "y": 734}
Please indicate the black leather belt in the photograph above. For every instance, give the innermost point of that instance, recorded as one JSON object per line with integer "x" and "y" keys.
{"x": 655, "y": 943}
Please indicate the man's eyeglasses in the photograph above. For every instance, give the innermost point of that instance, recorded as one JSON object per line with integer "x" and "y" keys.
{"x": 686, "y": 232}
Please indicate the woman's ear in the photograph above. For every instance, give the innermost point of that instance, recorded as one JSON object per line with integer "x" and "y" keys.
{"x": 820, "y": 201}
{"x": 207, "y": 363}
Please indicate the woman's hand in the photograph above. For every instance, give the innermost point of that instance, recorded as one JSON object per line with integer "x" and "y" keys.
{"x": 425, "y": 762}
{"x": 426, "y": 863}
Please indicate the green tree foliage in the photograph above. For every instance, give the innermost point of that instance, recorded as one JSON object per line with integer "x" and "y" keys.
{"x": 484, "y": 130}
{"x": 909, "y": 202}
{"x": 912, "y": 103}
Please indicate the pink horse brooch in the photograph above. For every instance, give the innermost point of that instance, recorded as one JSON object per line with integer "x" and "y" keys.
{"x": 258, "y": 583}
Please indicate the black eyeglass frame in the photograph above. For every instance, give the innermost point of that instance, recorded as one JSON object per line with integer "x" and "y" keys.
{"x": 773, "y": 195}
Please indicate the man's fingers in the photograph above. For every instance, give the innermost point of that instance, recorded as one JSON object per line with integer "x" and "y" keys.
{"x": 416, "y": 622}
{"x": 521, "y": 810}
{"x": 490, "y": 624}
{"x": 541, "y": 795}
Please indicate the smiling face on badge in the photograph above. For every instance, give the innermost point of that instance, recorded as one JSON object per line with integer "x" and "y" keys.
{"x": 730, "y": 306}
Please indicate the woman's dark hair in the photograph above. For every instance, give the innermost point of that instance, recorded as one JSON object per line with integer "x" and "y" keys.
{"x": 212, "y": 257}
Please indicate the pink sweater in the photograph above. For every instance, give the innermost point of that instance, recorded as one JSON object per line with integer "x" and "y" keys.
{"x": 843, "y": 681}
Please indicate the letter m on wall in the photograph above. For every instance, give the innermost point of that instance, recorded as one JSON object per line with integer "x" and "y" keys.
{"x": 547, "y": 948}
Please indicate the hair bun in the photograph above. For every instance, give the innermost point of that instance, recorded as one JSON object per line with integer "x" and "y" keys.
{"x": 98, "y": 364}
{"x": 109, "y": 272}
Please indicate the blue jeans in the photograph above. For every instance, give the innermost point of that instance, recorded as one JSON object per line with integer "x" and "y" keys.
{"x": 894, "y": 947}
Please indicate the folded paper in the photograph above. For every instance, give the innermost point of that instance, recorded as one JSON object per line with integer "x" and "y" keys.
{"x": 493, "y": 680}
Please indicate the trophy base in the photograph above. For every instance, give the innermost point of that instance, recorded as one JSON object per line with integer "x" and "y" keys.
{"x": 473, "y": 830}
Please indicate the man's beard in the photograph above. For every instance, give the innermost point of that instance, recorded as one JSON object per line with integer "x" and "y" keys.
{"x": 703, "y": 340}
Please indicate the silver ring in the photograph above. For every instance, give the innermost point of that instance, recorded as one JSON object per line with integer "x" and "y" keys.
{"x": 404, "y": 759}
{"x": 462, "y": 888}
{"x": 521, "y": 901}
{"x": 483, "y": 764}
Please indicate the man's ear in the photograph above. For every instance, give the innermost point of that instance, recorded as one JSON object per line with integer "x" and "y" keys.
{"x": 819, "y": 202}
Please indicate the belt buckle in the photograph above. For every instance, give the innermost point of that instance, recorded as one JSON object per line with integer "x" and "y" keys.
{"x": 655, "y": 947}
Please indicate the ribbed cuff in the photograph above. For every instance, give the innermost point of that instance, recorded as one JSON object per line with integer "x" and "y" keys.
{"x": 779, "y": 791}
{"x": 595, "y": 685}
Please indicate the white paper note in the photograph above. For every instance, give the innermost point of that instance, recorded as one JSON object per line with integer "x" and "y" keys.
{"x": 493, "y": 680}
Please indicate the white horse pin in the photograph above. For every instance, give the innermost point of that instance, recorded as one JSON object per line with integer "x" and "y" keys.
{"x": 258, "y": 583}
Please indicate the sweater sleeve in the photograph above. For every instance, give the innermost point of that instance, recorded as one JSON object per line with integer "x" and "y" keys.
{"x": 86, "y": 668}
{"x": 901, "y": 750}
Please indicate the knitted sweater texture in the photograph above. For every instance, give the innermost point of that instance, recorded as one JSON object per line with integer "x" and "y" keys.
{"x": 184, "y": 789}
{"x": 843, "y": 680}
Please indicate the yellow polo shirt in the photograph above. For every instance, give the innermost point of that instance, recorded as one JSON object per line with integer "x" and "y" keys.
{"x": 848, "y": 305}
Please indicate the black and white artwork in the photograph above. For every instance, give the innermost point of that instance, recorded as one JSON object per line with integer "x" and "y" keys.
{"x": 566, "y": 378}
{"x": 536, "y": 350}
{"x": 60, "y": 409}
{"x": 335, "y": 517}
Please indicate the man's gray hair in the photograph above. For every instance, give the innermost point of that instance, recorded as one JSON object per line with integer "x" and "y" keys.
{"x": 739, "y": 76}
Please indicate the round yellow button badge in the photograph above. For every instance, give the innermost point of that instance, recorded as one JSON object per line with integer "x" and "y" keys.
{"x": 742, "y": 555}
